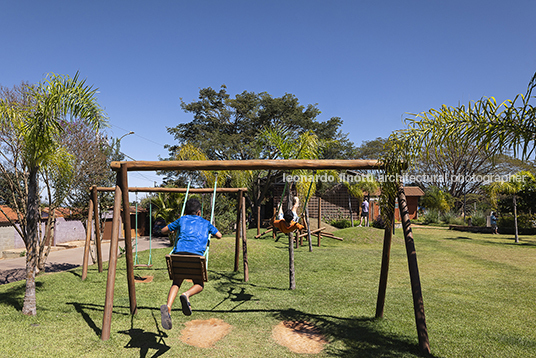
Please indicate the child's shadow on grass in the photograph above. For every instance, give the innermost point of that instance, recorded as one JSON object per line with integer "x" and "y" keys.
{"x": 147, "y": 340}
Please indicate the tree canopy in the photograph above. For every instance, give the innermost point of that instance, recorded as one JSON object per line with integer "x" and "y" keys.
{"x": 226, "y": 128}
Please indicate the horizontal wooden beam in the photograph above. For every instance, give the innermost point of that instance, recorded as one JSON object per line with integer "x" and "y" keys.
{"x": 256, "y": 164}
{"x": 175, "y": 190}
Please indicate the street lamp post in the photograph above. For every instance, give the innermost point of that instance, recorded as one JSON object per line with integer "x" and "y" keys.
{"x": 119, "y": 143}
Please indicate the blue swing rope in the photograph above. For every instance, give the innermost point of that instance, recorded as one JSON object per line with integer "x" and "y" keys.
{"x": 182, "y": 211}
{"x": 211, "y": 216}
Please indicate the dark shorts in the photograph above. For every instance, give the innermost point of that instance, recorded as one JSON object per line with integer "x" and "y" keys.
{"x": 364, "y": 214}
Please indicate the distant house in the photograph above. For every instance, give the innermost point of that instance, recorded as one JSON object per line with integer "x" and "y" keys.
{"x": 139, "y": 216}
{"x": 65, "y": 230}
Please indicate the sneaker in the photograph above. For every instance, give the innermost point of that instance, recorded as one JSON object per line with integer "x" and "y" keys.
{"x": 165, "y": 317}
{"x": 186, "y": 308}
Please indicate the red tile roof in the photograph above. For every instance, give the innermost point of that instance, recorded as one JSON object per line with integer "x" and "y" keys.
{"x": 9, "y": 212}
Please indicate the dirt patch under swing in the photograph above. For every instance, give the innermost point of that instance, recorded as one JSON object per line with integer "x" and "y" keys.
{"x": 299, "y": 337}
{"x": 145, "y": 279}
{"x": 204, "y": 333}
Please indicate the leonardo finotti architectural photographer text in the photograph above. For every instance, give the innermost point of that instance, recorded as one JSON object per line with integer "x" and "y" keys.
{"x": 406, "y": 178}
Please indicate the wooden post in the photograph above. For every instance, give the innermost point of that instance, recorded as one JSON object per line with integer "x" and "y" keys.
{"x": 273, "y": 230}
{"x": 418, "y": 304}
{"x": 386, "y": 254}
{"x": 87, "y": 245}
{"x": 112, "y": 265}
{"x": 96, "y": 217}
{"x": 238, "y": 230}
{"x": 319, "y": 218}
{"x": 308, "y": 229}
{"x": 291, "y": 270}
{"x": 245, "y": 241}
{"x": 350, "y": 208}
{"x": 258, "y": 220}
{"x": 128, "y": 240}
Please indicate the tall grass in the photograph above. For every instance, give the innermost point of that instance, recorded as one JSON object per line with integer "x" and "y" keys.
{"x": 478, "y": 294}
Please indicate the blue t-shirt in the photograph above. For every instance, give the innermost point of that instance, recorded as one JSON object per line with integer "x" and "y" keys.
{"x": 192, "y": 234}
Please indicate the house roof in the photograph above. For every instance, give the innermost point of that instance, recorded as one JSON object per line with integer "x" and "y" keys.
{"x": 413, "y": 191}
{"x": 11, "y": 214}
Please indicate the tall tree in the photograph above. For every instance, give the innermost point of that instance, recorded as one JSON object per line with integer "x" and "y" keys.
{"x": 226, "y": 128}
{"x": 36, "y": 119}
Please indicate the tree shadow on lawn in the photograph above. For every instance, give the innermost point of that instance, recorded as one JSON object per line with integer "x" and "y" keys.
{"x": 19, "y": 274}
{"x": 496, "y": 243}
{"x": 361, "y": 336}
{"x": 14, "y": 296}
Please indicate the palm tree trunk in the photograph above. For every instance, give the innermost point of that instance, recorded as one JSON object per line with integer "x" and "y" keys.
{"x": 515, "y": 218}
{"x": 31, "y": 240}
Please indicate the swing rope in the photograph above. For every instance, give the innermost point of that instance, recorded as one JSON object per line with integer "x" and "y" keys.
{"x": 136, "y": 257}
{"x": 281, "y": 199}
{"x": 211, "y": 216}
{"x": 308, "y": 193}
{"x": 182, "y": 211}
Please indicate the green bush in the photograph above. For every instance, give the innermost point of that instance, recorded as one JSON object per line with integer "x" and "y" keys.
{"x": 378, "y": 223}
{"x": 524, "y": 221}
{"x": 340, "y": 223}
{"x": 431, "y": 217}
{"x": 478, "y": 218}
{"x": 451, "y": 218}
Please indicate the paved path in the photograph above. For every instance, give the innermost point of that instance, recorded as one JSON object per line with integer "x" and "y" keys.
{"x": 12, "y": 270}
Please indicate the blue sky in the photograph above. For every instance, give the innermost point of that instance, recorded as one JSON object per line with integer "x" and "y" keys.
{"x": 368, "y": 62}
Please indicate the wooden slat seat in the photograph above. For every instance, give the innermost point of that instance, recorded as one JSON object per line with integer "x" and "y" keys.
{"x": 181, "y": 267}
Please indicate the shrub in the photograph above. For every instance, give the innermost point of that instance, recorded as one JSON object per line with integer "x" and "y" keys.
{"x": 340, "y": 223}
{"x": 431, "y": 217}
{"x": 378, "y": 223}
{"x": 478, "y": 218}
{"x": 524, "y": 221}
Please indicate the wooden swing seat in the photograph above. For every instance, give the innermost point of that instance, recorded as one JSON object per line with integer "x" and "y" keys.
{"x": 181, "y": 267}
{"x": 143, "y": 265}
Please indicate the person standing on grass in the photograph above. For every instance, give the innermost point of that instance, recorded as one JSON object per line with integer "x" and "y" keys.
{"x": 192, "y": 239}
{"x": 493, "y": 222}
{"x": 364, "y": 212}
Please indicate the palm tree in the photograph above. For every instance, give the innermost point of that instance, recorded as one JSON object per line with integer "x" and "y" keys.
{"x": 512, "y": 187}
{"x": 286, "y": 144}
{"x": 38, "y": 122}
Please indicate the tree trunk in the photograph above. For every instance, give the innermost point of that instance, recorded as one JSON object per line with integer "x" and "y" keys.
{"x": 31, "y": 240}
{"x": 47, "y": 241}
{"x": 515, "y": 218}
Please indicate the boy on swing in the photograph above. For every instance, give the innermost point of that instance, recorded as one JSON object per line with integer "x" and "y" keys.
{"x": 288, "y": 220}
{"x": 192, "y": 239}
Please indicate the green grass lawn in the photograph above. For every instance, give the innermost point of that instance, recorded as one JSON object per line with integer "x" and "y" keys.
{"x": 478, "y": 294}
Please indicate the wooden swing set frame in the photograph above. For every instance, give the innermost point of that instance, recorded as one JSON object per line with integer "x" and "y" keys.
{"x": 121, "y": 194}
{"x": 94, "y": 212}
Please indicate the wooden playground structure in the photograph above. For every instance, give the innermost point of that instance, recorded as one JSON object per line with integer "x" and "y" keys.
{"x": 94, "y": 212}
{"x": 318, "y": 232}
{"x": 121, "y": 198}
